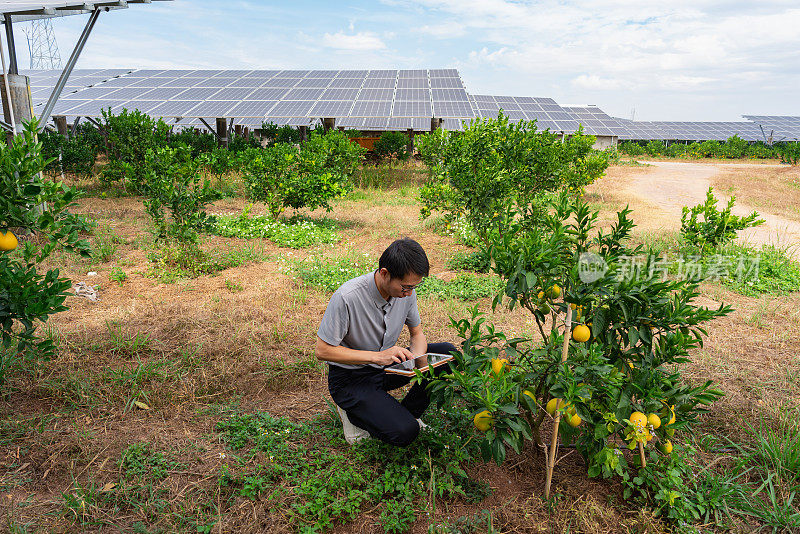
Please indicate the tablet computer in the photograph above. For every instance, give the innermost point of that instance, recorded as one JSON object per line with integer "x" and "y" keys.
{"x": 407, "y": 367}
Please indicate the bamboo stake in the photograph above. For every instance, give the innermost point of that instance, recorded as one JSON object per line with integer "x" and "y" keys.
{"x": 641, "y": 454}
{"x": 554, "y": 441}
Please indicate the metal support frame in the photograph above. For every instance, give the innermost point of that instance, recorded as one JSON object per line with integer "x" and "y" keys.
{"x": 73, "y": 58}
{"x": 212, "y": 130}
{"x": 12, "y": 50}
{"x": 90, "y": 119}
{"x": 74, "y": 129}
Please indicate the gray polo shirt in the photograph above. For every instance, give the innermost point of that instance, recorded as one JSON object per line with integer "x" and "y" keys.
{"x": 358, "y": 317}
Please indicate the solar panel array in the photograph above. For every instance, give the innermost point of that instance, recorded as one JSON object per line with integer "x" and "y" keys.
{"x": 372, "y": 100}
{"x": 689, "y": 131}
{"x": 545, "y": 111}
{"x": 595, "y": 121}
{"x": 780, "y": 127}
{"x": 360, "y": 99}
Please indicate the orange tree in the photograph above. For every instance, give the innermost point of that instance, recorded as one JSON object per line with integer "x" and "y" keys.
{"x": 493, "y": 164}
{"x": 39, "y": 207}
{"x": 632, "y": 326}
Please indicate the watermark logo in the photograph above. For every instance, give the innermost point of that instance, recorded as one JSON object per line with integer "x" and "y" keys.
{"x": 591, "y": 267}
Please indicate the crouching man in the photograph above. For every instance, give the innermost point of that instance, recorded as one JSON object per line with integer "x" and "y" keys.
{"x": 358, "y": 338}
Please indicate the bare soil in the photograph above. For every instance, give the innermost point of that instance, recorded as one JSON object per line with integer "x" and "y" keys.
{"x": 75, "y": 420}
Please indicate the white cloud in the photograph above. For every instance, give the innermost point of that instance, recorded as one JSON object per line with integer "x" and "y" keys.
{"x": 356, "y": 41}
{"x": 593, "y": 81}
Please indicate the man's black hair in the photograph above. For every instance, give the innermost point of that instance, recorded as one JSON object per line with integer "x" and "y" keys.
{"x": 404, "y": 256}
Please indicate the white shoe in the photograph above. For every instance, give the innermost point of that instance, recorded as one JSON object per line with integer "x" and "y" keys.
{"x": 422, "y": 426}
{"x": 352, "y": 433}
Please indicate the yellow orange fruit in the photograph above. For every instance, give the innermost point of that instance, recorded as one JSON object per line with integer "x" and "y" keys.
{"x": 574, "y": 420}
{"x": 483, "y": 420}
{"x": 639, "y": 420}
{"x": 540, "y": 295}
{"x": 552, "y": 406}
{"x": 8, "y": 241}
{"x": 581, "y": 333}
{"x": 498, "y": 365}
{"x": 554, "y": 291}
{"x": 654, "y": 420}
{"x": 666, "y": 447}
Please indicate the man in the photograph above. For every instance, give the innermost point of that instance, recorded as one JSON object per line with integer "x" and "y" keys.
{"x": 358, "y": 338}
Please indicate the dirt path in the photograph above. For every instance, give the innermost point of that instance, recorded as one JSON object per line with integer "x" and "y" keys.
{"x": 672, "y": 185}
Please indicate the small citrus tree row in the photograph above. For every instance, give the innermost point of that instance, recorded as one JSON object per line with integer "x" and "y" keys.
{"x": 610, "y": 329}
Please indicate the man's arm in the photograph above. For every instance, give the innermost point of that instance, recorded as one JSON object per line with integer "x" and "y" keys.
{"x": 419, "y": 345}
{"x": 339, "y": 354}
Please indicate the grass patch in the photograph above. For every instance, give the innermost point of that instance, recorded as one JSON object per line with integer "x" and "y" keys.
{"x": 296, "y": 232}
{"x": 172, "y": 263}
{"x": 383, "y": 176}
{"x": 465, "y": 286}
{"x": 475, "y": 261}
{"x": 777, "y": 273}
{"x": 308, "y": 475}
{"x": 328, "y": 274}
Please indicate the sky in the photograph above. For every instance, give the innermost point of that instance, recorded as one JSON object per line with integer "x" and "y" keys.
{"x": 679, "y": 60}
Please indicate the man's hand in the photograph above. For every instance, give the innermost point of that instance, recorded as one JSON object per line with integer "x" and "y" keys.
{"x": 393, "y": 355}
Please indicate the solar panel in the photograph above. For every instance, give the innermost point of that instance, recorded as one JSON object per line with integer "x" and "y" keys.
{"x": 196, "y": 93}
{"x": 161, "y": 93}
{"x": 175, "y": 108}
{"x": 412, "y": 83}
{"x": 449, "y": 94}
{"x": 412, "y": 109}
{"x": 314, "y": 82}
{"x": 211, "y": 109}
{"x": 376, "y": 83}
{"x": 281, "y": 82}
{"x": 371, "y": 109}
{"x": 413, "y": 94}
{"x": 268, "y": 93}
{"x": 347, "y": 83}
{"x": 443, "y": 73}
{"x": 331, "y": 108}
{"x": 419, "y": 73}
{"x": 231, "y": 93}
{"x": 303, "y": 94}
{"x": 252, "y": 108}
{"x": 340, "y": 94}
{"x": 376, "y": 94}
{"x": 287, "y": 108}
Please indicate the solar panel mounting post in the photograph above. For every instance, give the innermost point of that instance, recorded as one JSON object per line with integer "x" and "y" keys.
{"x": 12, "y": 50}
{"x": 303, "y": 134}
{"x": 222, "y": 131}
{"x": 61, "y": 124}
{"x": 328, "y": 123}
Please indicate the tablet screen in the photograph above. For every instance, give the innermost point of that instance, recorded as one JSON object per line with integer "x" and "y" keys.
{"x": 433, "y": 358}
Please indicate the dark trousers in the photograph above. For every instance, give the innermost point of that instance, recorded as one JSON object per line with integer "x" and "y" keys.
{"x": 362, "y": 393}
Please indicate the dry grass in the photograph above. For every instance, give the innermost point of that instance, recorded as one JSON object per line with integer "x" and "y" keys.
{"x": 775, "y": 190}
{"x": 198, "y": 344}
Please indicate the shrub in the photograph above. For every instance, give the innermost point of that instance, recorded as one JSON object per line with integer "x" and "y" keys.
{"x": 640, "y": 325}
{"x": 28, "y": 296}
{"x": 495, "y": 165}
{"x": 238, "y": 143}
{"x": 392, "y": 145}
{"x": 173, "y": 184}
{"x": 130, "y": 135}
{"x": 790, "y": 153}
{"x": 717, "y": 227}
{"x": 74, "y": 155}
{"x": 655, "y": 148}
{"x": 283, "y": 176}
{"x": 199, "y": 142}
{"x": 280, "y": 134}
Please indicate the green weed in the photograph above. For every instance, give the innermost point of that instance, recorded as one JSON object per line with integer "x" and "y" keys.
{"x": 296, "y": 232}
{"x": 105, "y": 243}
{"x": 306, "y": 472}
{"x": 118, "y": 275}
{"x": 173, "y": 263}
{"x": 465, "y": 286}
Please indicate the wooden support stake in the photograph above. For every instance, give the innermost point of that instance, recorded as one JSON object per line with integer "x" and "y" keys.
{"x": 641, "y": 454}
{"x": 551, "y": 461}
